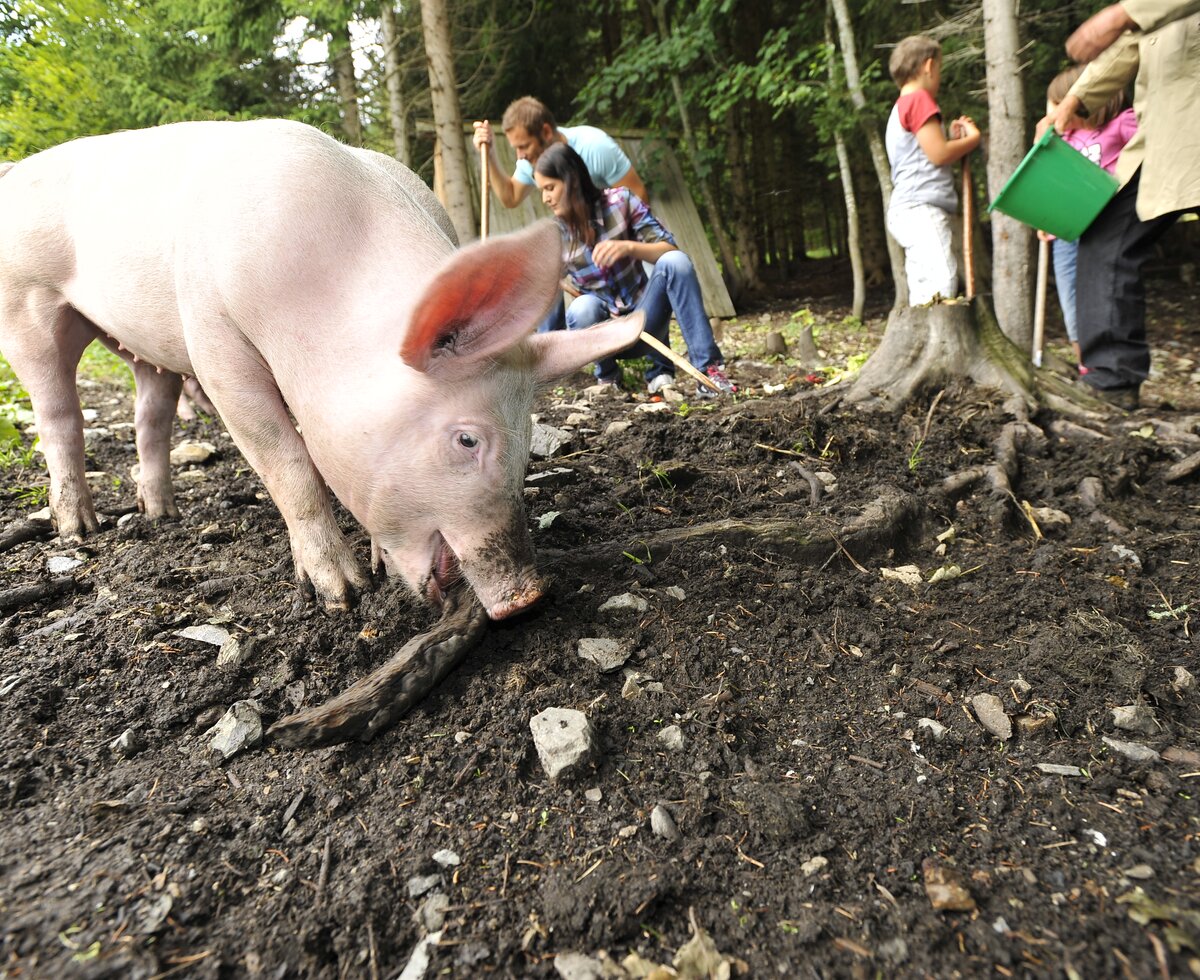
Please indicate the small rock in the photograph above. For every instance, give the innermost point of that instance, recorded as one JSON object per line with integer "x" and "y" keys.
{"x": 626, "y": 602}
{"x": 1095, "y": 837}
{"x": 205, "y": 633}
{"x": 127, "y": 744}
{"x": 1126, "y": 557}
{"x": 192, "y": 452}
{"x": 604, "y": 653}
{"x": 989, "y": 710}
{"x": 675, "y": 592}
{"x": 935, "y": 728}
{"x": 578, "y": 418}
{"x": 1142, "y": 872}
{"x": 1183, "y": 681}
{"x": 1135, "y": 718}
{"x": 1178, "y": 754}
{"x": 576, "y": 966}
{"x": 663, "y": 824}
{"x": 671, "y": 737}
{"x": 461, "y": 737}
{"x": 946, "y": 888}
{"x": 547, "y": 519}
{"x": 593, "y": 795}
{"x": 239, "y": 728}
{"x": 1029, "y": 725}
{"x": 813, "y": 865}
{"x": 627, "y": 831}
{"x": 907, "y": 574}
{"x": 431, "y": 916}
{"x": 616, "y": 428}
{"x": 198, "y": 826}
{"x": 294, "y": 693}
{"x": 776, "y": 345}
{"x": 548, "y": 440}
{"x": 1022, "y": 686}
{"x": 1048, "y": 517}
{"x": 61, "y": 564}
{"x": 1132, "y": 750}
{"x": 631, "y": 690}
{"x": 650, "y": 408}
{"x": 419, "y": 885}
{"x": 234, "y": 652}
{"x": 564, "y": 739}
{"x": 446, "y": 858}
{"x": 1054, "y": 769}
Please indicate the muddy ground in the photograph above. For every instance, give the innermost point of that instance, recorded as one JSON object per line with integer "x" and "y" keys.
{"x": 841, "y": 809}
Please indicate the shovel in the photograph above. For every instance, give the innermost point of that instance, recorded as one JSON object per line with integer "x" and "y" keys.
{"x": 968, "y": 222}
{"x": 1039, "y": 302}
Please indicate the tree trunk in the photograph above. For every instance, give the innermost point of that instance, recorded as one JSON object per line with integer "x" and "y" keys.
{"x": 393, "y": 83}
{"x": 743, "y": 198}
{"x": 447, "y": 119}
{"x": 1012, "y": 241}
{"x": 847, "y": 176}
{"x": 341, "y": 57}
{"x": 738, "y": 279}
{"x": 879, "y": 158}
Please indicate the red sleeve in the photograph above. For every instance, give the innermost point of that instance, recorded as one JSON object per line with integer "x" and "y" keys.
{"x": 916, "y": 109}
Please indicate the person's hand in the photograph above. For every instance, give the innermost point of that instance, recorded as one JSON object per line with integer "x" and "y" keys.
{"x": 1044, "y": 236}
{"x": 1063, "y": 113}
{"x": 611, "y": 250}
{"x": 964, "y": 126}
{"x": 482, "y": 135}
{"x": 1098, "y": 32}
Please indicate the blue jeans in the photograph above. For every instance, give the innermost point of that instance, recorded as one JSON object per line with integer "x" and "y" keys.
{"x": 1065, "y": 254}
{"x": 672, "y": 286}
{"x": 554, "y": 319}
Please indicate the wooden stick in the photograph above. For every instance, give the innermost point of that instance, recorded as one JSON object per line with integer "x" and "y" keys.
{"x": 1039, "y": 302}
{"x": 968, "y": 221}
{"x": 485, "y": 180}
{"x": 679, "y": 361}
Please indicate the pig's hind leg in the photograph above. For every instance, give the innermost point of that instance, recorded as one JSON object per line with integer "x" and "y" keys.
{"x": 43, "y": 341}
{"x": 248, "y": 400}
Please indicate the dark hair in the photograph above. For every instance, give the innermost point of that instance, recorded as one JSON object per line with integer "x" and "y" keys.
{"x": 909, "y": 55}
{"x": 581, "y": 196}
{"x": 530, "y": 114}
{"x": 1061, "y": 84}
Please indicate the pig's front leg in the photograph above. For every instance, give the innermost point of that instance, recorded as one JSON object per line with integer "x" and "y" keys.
{"x": 244, "y": 393}
{"x": 43, "y": 341}
{"x": 154, "y": 416}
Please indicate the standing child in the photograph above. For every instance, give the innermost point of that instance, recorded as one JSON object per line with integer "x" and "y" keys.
{"x": 1100, "y": 137}
{"x": 923, "y": 195}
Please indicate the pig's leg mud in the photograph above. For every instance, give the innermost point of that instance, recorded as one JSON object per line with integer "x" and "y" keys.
{"x": 244, "y": 392}
{"x": 154, "y": 416}
{"x": 381, "y": 698}
{"x": 43, "y": 341}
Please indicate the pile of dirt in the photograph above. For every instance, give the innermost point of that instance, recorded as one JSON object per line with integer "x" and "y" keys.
{"x": 858, "y": 720}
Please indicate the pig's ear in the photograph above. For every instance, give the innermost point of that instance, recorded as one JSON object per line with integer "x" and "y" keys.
{"x": 562, "y": 352}
{"x": 485, "y": 298}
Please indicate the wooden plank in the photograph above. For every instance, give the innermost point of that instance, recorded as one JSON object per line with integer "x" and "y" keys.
{"x": 669, "y": 198}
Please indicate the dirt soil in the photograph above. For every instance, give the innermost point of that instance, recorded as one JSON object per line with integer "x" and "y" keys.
{"x": 845, "y": 800}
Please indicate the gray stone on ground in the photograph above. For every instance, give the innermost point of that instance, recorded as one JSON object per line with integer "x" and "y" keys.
{"x": 935, "y": 728}
{"x": 576, "y": 966}
{"x": 446, "y": 858}
{"x": 1132, "y": 750}
{"x": 564, "y": 739}
{"x": 671, "y": 737}
{"x": 1135, "y": 718}
{"x": 989, "y": 709}
{"x": 662, "y": 824}
{"x": 1054, "y": 769}
{"x": 239, "y": 728}
{"x": 192, "y": 452}
{"x": 61, "y": 564}
{"x": 1184, "y": 680}
{"x": 419, "y": 885}
{"x": 548, "y": 440}
{"x": 626, "y": 602}
{"x": 127, "y": 743}
{"x": 604, "y": 653}
{"x": 205, "y": 633}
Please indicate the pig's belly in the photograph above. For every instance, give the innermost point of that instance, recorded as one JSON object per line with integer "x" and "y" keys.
{"x": 144, "y": 324}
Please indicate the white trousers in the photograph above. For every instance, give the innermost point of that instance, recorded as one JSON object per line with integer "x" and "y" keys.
{"x": 926, "y": 234}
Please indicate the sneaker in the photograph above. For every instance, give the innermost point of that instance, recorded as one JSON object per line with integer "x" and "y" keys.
{"x": 717, "y": 373}
{"x": 659, "y": 382}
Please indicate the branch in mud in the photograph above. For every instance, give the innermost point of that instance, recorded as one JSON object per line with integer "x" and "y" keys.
{"x": 22, "y": 531}
{"x": 381, "y": 698}
{"x": 26, "y": 595}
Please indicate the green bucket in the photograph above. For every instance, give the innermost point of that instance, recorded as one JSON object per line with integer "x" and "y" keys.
{"x": 1056, "y": 188}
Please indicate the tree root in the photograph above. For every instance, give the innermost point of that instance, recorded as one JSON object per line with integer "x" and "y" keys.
{"x": 380, "y": 699}
{"x": 22, "y": 531}
{"x": 24, "y": 595}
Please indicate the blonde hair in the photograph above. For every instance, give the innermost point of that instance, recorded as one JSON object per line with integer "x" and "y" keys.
{"x": 910, "y": 54}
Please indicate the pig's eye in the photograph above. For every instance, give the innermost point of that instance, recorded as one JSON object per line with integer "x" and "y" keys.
{"x": 467, "y": 441}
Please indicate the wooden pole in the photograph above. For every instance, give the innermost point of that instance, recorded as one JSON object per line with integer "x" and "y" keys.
{"x": 968, "y": 222}
{"x": 1039, "y": 302}
{"x": 485, "y": 179}
{"x": 680, "y": 361}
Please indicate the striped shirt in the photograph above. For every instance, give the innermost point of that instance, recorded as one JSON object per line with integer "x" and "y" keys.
{"x": 619, "y": 286}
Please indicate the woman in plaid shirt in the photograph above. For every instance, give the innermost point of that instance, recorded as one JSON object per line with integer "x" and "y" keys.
{"x": 607, "y": 235}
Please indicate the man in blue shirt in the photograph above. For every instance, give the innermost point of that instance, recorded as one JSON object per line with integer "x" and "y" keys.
{"x": 530, "y": 127}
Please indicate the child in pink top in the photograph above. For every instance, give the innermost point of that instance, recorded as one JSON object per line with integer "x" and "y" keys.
{"x": 1100, "y": 137}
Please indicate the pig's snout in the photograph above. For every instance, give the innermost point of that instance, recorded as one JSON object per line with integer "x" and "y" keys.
{"x": 519, "y": 600}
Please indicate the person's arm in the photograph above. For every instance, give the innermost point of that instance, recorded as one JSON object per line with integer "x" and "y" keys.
{"x": 1101, "y": 30}
{"x": 508, "y": 190}
{"x": 942, "y": 151}
{"x": 634, "y": 183}
{"x": 612, "y": 250}
{"x": 1100, "y": 81}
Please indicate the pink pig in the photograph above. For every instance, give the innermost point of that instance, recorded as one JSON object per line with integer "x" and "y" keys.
{"x": 296, "y": 279}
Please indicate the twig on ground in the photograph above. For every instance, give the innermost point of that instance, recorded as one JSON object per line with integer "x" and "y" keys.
{"x": 814, "y": 485}
{"x": 22, "y": 531}
{"x": 24, "y": 595}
